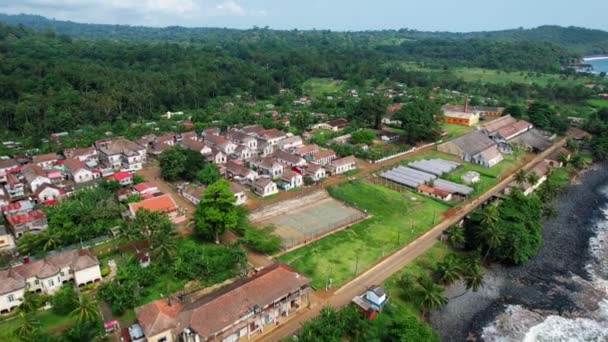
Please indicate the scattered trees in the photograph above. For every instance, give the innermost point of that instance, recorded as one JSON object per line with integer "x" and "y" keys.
{"x": 209, "y": 174}
{"x": 418, "y": 119}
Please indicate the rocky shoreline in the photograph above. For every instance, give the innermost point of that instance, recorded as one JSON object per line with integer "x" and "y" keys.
{"x": 557, "y": 281}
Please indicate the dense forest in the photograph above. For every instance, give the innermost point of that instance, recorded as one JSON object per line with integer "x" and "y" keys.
{"x": 581, "y": 40}
{"x": 54, "y": 80}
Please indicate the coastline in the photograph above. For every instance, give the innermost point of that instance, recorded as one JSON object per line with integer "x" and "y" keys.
{"x": 597, "y": 58}
{"x": 558, "y": 282}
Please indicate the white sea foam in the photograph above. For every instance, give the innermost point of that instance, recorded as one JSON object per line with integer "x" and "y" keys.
{"x": 520, "y": 324}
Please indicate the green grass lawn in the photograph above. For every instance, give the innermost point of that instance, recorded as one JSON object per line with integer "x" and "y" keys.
{"x": 397, "y": 220}
{"x": 49, "y": 322}
{"x": 598, "y": 103}
{"x": 455, "y": 131}
{"x": 319, "y": 87}
{"x": 503, "y": 77}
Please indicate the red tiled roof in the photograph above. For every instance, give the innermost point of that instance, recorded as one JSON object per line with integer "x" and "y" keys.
{"x": 163, "y": 203}
{"x": 323, "y": 154}
{"x": 121, "y": 175}
{"x": 495, "y": 125}
{"x": 74, "y": 165}
{"x": 44, "y": 157}
{"x": 511, "y": 130}
{"x": 435, "y": 191}
{"x": 30, "y": 216}
{"x": 141, "y": 187}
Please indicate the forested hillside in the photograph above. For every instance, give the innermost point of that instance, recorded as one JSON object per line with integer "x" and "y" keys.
{"x": 580, "y": 40}
{"x": 53, "y": 82}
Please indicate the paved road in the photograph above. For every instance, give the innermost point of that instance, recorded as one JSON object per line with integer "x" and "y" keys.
{"x": 399, "y": 259}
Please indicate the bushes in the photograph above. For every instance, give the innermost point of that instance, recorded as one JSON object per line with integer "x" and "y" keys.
{"x": 261, "y": 239}
{"x": 65, "y": 300}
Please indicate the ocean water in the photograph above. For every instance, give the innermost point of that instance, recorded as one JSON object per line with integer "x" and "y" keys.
{"x": 599, "y": 65}
{"x": 536, "y": 326}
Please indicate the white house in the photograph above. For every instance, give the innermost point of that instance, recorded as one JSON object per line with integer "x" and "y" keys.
{"x": 77, "y": 170}
{"x": 122, "y": 154}
{"x": 290, "y": 159}
{"x": 47, "y": 275}
{"x": 290, "y": 142}
{"x": 265, "y": 187}
{"x": 34, "y": 176}
{"x": 243, "y": 152}
{"x": 291, "y": 179}
{"x": 83, "y": 154}
{"x": 48, "y": 192}
{"x": 216, "y": 156}
{"x": 267, "y": 166}
{"x": 5, "y": 167}
{"x": 240, "y": 173}
{"x": 239, "y": 193}
{"x": 324, "y": 157}
{"x": 342, "y": 165}
{"x": 45, "y": 161}
{"x": 272, "y": 136}
{"x": 315, "y": 171}
{"x": 7, "y": 242}
{"x": 221, "y": 143}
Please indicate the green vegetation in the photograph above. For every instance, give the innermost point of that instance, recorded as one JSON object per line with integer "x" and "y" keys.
{"x": 321, "y": 87}
{"x": 598, "y": 126}
{"x": 204, "y": 263}
{"x": 180, "y": 163}
{"x": 396, "y": 220}
{"x": 87, "y": 214}
{"x": 454, "y": 131}
{"x": 509, "y": 233}
{"x": 418, "y": 120}
{"x": 216, "y": 212}
{"x": 363, "y": 136}
{"x": 598, "y": 103}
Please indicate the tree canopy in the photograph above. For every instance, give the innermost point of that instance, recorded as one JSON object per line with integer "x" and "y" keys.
{"x": 418, "y": 119}
{"x": 216, "y": 211}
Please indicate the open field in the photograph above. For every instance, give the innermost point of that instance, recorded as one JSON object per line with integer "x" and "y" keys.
{"x": 503, "y": 77}
{"x": 298, "y": 223}
{"x": 318, "y": 87}
{"x": 598, "y": 103}
{"x": 397, "y": 219}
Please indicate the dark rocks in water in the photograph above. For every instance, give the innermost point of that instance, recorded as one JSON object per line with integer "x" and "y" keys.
{"x": 547, "y": 283}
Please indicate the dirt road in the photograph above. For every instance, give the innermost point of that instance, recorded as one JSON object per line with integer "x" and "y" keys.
{"x": 399, "y": 259}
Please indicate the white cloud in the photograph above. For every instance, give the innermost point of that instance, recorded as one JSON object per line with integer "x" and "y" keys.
{"x": 230, "y": 7}
{"x": 135, "y": 12}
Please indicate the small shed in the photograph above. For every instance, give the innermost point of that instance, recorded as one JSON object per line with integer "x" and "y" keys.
{"x": 371, "y": 302}
{"x": 471, "y": 177}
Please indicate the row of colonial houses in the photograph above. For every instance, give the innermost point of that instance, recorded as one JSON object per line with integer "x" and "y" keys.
{"x": 47, "y": 275}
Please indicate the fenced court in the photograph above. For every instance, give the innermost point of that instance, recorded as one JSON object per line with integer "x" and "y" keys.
{"x": 307, "y": 219}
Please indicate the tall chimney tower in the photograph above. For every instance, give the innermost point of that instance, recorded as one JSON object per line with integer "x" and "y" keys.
{"x": 466, "y": 104}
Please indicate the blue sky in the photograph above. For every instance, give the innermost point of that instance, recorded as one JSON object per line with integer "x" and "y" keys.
{"x": 434, "y": 15}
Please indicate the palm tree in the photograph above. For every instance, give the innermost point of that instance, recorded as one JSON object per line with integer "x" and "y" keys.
{"x": 489, "y": 215}
{"x": 473, "y": 276}
{"x": 521, "y": 176}
{"x": 86, "y": 311}
{"x": 448, "y": 271}
{"x": 51, "y": 241}
{"x": 28, "y": 326}
{"x": 563, "y": 158}
{"x": 490, "y": 236}
{"x": 455, "y": 236}
{"x": 533, "y": 178}
{"x": 431, "y": 295}
{"x": 164, "y": 248}
{"x": 408, "y": 286}
{"x": 29, "y": 302}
